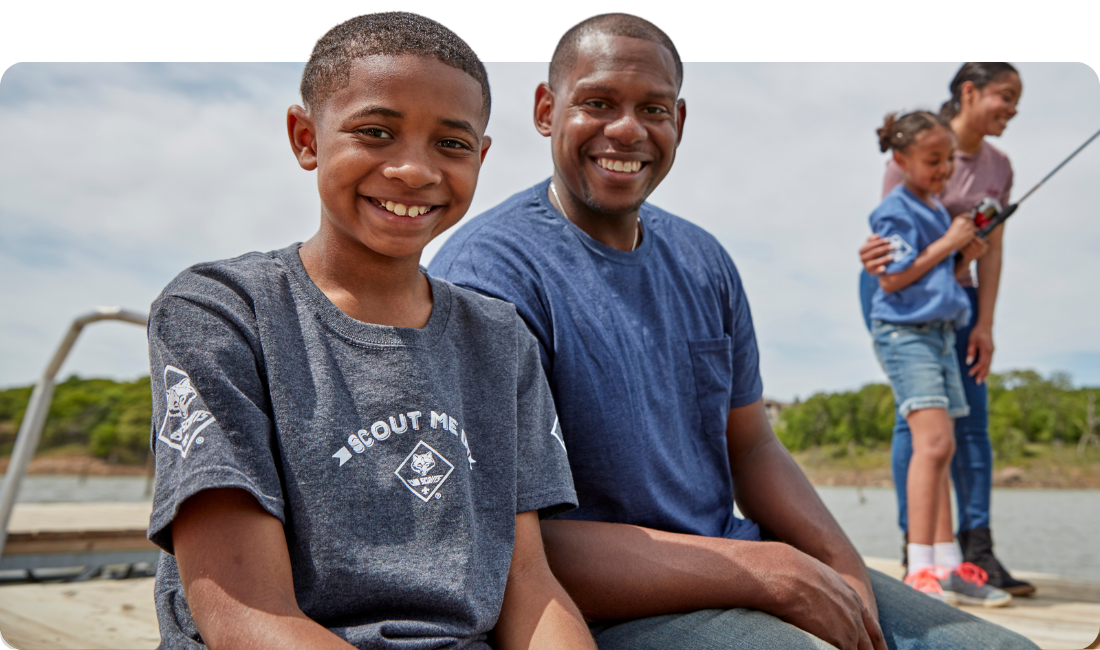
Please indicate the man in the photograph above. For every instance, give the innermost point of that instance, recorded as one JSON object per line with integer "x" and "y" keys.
{"x": 647, "y": 340}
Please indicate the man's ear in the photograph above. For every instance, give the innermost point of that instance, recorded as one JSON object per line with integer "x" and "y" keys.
{"x": 544, "y": 109}
{"x": 302, "y": 130}
{"x": 681, "y": 115}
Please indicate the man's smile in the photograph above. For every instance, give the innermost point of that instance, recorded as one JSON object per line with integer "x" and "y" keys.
{"x": 625, "y": 166}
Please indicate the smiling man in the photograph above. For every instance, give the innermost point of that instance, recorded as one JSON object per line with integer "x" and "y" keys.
{"x": 647, "y": 341}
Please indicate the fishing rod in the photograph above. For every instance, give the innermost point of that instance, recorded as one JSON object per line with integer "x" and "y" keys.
{"x": 988, "y": 215}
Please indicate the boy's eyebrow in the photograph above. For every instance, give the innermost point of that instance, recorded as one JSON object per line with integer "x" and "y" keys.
{"x": 461, "y": 125}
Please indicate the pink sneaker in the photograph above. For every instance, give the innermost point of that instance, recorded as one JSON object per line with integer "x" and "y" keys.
{"x": 927, "y": 581}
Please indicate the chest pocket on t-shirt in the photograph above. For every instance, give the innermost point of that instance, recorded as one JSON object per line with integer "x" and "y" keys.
{"x": 712, "y": 365}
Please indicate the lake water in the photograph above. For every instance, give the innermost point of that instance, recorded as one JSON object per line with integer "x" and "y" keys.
{"x": 1049, "y": 531}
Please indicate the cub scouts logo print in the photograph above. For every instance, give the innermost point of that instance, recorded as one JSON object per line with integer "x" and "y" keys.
{"x": 424, "y": 470}
{"x": 556, "y": 432}
{"x": 181, "y": 425}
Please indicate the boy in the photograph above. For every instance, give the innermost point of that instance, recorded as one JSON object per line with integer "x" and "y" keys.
{"x": 343, "y": 443}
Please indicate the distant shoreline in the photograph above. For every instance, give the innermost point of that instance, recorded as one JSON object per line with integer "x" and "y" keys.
{"x": 822, "y": 467}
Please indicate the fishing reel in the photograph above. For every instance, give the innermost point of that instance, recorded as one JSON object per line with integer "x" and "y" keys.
{"x": 989, "y": 214}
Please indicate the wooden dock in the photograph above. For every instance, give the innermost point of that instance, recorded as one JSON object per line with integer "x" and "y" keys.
{"x": 120, "y": 614}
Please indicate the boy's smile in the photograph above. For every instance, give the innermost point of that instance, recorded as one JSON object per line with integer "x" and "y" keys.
{"x": 397, "y": 152}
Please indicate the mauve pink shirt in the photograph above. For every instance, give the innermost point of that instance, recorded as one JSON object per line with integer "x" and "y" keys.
{"x": 987, "y": 173}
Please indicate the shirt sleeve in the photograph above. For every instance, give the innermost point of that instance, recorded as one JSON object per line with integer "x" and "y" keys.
{"x": 543, "y": 479}
{"x": 212, "y": 426}
{"x": 901, "y": 232}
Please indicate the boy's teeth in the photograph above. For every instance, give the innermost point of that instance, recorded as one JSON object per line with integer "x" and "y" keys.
{"x": 619, "y": 165}
{"x": 401, "y": 210}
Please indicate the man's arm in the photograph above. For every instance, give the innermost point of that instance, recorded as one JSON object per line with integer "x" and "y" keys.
{"x": 619, "y": 571}
{"x": 537, "y": 613}
{"x": 235, "y": 568}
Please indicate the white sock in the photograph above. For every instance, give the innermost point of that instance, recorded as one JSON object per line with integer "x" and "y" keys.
{"x": 921, "y": 556}
{"x": 947, "y": 555}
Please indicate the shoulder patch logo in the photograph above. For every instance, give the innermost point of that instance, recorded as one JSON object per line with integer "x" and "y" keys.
{"x": 181, "y": 426}
{"x": 556, "y": 432}
{"x": 902, "y": 249}
{"x": 416, "y": 471}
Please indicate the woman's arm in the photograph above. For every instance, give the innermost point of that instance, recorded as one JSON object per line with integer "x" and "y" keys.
{"x": 235, "y": 568}
{"x": 537, "y": 613}
{"x": 957, "y": 236}
{"x": 979, "y": 351}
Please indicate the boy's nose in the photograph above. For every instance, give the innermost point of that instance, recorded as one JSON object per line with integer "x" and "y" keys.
{"x": 414, "y": 170}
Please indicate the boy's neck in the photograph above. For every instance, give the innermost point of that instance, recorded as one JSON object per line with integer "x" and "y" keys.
{"x": 367, "y": 286}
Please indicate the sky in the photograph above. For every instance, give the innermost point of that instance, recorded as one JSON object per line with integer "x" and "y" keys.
{"x": 120, "y": 175}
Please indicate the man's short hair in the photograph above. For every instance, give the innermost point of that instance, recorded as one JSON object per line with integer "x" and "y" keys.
{"x": 565, "y": 54}
{"x": 392, "y": 33}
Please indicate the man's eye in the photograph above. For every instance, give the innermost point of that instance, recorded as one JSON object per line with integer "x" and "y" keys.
{"x": 656, "y": 110}
{"x": 595, "y": 103}
{"x": 454, "y": 144}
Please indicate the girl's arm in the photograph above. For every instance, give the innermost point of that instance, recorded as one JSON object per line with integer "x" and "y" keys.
{"x": 957, "y": 236}
{"x": 235, "y": 568}
{"x": 972, "y": 251}
{"x": 537, "y": 613}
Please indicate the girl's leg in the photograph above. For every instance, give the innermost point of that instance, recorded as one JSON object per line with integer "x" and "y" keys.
{"x": 945, "y": 532}
{"x": 933, "y": 438}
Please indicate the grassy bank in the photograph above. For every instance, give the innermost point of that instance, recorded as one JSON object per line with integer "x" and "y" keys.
{"x": 1037, "y": 466}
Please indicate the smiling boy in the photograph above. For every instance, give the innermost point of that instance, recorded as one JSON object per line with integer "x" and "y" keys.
{"x": 349, "y": 451}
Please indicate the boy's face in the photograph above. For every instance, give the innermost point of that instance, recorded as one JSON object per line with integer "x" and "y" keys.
{"x": 397, "y": 152}
{"x": 614, "y": 121}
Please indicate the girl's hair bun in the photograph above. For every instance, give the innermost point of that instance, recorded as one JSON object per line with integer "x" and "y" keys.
{"x": 898, "y": 133}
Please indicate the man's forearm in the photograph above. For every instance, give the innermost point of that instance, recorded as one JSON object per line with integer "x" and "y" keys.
{"x": 620, "y": 571}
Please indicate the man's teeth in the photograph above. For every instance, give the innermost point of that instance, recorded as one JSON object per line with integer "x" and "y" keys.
{"x": 402, "y": 210}
{"x": 619, "y": 165}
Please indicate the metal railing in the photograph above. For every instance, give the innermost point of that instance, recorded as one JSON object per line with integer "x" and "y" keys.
{"x": 26, "y": 442}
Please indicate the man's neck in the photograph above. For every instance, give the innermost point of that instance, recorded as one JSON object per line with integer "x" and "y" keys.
{"x": 619, "y": 231}
{"x": 365, "y": 285}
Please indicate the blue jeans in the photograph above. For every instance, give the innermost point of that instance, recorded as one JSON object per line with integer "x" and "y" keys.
{"x": 972, "y": 465}
{"x": 910, "y": 620}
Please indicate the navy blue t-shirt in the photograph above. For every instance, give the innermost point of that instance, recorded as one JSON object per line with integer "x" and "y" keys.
{"x": 911, "y": 226}
{"x": 646, "y": 352}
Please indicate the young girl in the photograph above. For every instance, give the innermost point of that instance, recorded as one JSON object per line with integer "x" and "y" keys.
{"x": 983, "y": 101}
{"x": 914, "y": 314}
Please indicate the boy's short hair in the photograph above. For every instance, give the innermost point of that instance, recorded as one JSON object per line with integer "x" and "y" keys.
{"x": 565, "y": 54}
{"x": 391, "y": 33}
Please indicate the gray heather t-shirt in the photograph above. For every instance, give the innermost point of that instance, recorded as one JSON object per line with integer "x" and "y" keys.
{"x": 397, "y": 459}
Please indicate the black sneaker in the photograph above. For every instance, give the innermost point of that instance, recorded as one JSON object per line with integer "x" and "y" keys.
{"x": 977, "y": 547}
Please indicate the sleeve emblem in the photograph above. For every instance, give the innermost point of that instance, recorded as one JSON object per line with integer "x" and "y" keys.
{"x": 181, "y": 425}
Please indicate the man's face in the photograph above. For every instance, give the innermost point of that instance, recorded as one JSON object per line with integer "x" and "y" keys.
{"x": 614, "y": 122}
{"x": 397, "y": 152}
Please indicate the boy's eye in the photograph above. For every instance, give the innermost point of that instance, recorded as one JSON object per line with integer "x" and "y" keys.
{"x": 454, "y": 144}
{"x": 373, "y": 132}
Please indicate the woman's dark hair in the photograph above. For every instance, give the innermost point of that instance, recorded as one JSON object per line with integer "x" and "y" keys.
{"x": 978, "y": 73}
{"x": 898, "y": 133}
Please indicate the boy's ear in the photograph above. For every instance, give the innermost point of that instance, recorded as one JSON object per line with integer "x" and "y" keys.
{"x": 302, "y": 130}
{"x": 485, "y": 142}
{"x": 544, "y": 109}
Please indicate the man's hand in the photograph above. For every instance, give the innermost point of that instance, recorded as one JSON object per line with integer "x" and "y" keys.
{"x": 820, "y": 601}
{"x": 979, "y": 351}
{"x": 875, "y": 254}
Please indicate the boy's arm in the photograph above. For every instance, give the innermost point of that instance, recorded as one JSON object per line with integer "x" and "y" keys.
{"x": 537, "y": 613}
{"x": 235, "y": 568}
{"x": 957, "y": 236}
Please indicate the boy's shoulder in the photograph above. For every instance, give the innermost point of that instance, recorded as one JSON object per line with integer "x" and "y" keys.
{"x": 242, "y": 276}
{"x": 471, "y": 308}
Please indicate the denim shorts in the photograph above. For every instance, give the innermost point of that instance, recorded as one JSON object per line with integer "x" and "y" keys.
{"x": 921, "y": 364}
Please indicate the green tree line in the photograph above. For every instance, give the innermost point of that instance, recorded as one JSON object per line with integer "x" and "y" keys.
{"x": 105, "y": 418}
{"x": 1024, "y": 408}
{"x": 111, "y": 420}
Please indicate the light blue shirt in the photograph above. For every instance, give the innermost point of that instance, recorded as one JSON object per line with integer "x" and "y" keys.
{"x": 911, "y": 225}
